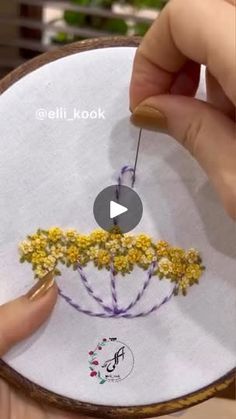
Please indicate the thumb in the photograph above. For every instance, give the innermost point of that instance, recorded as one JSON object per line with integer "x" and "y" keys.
{"x": 205, "y": 132}
{"x": 21, "y": 317}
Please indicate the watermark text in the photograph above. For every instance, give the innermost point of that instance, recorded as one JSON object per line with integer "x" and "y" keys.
{"x": 74, "y": 114}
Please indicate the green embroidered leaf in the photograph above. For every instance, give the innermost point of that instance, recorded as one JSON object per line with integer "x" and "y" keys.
{"x": 57, "y": 272}
{"x": 102, "y": 381}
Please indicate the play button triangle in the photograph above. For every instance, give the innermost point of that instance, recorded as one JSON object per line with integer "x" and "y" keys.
{"x": 116, "y": 209}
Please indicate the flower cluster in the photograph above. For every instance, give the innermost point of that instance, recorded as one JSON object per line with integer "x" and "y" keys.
{"x": 46, "y": 249}
{"x": 180, "y": 266}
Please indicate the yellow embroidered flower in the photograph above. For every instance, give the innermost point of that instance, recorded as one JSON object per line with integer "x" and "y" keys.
{"x": 72, "y": 254}
{"x": 128, "y": 242}
{"x": 192, "y": 255}
{"x": 103, "y": 258}
{"x": 49, "y": 263}
{"x": 144, "y": 261}
{"x": 113, "y": 245}
{"x": 162, "y": 248}
{"x": 92, "y": 252}
{"x": 99, "y": 236}
{"x": 82, "y": 241}
{"x": 143, "y": 242}
{"x": 55, "y": 234}
{"x": 165, "y": 266}
{"x": 71, "y": 235}
{"x": 39, "y": 242}
{"x": 25, "y": 247}
{"x": 58, "y": 251}
{"x": 38, "y": 257}
{"x": 193, "y": 271}
{"x": 134, "y": 255}
{"x": 115, "y": 233}
{"x": 36, "y": 236}
{"x": 121, "y": 264}
{"x": 176, "y": 254}
{"x": 178, "y": 269}
{"x": 150, "y": 254}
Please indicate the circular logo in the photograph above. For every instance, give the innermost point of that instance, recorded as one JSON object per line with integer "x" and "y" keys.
{"x": 111, "y": 361}
{"x": 118, "y": 205}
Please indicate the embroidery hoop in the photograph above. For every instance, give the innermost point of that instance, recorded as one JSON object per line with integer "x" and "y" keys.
{"x": 58, "y": 400}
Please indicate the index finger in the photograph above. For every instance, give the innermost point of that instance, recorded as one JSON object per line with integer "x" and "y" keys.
{"x": 199, "y": 30}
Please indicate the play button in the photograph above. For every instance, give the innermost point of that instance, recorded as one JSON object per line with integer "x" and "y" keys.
{"x": 118, "y": 206}
{"x": 116, "y": 209}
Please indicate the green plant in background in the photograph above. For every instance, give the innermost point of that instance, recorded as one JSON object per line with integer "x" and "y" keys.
{"x": 116, "y": 26}
{"x": 62, "y": 38}
{"x": 105, "y": 24}
{"x": 152, "y": 4}
{"x": 141, "y": 28}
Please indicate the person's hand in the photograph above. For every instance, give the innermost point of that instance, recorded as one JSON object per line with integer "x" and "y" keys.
{"x": 19, "y": 319}
{"x": 166, "y": 75}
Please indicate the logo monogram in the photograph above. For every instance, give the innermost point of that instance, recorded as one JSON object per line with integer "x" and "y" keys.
{"x": 111, "y": 361}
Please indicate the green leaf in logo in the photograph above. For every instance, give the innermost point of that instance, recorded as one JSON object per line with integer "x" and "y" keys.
{"x": 102, "y": 381}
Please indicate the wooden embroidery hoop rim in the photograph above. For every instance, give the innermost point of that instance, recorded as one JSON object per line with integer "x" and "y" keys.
{"x": 42, "y": 395}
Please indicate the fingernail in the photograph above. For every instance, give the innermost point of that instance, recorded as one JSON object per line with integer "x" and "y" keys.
{"x": 42, "y": 287}
{"x": 150, "y": 118}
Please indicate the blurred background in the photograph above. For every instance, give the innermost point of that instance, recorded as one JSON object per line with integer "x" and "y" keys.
{"x": 30, "y": 27}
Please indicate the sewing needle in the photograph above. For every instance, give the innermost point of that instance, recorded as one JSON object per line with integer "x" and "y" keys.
{"x": 136, "y": 158}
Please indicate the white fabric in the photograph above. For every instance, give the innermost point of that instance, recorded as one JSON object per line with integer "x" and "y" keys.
{"x": 50, "y": 173}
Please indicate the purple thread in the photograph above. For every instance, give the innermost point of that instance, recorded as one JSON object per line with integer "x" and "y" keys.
{"x": 125, "y": 169}
{"x": 105, "y": 315}
{"x": 142, "y": 291}
{"x": 114, "y": 311}
{"x": 153, "y": 309}
{"x": 78, "y": 308}
{"x": 113, "y": 290}
{"x": 90, "y": 289}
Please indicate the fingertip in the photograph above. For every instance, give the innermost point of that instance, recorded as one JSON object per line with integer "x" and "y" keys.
{"x": 42, "y": 306}
{"x": 149, "y": 117}
{"x": 22, "y": 317}
{"x": 46, "y": 298}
